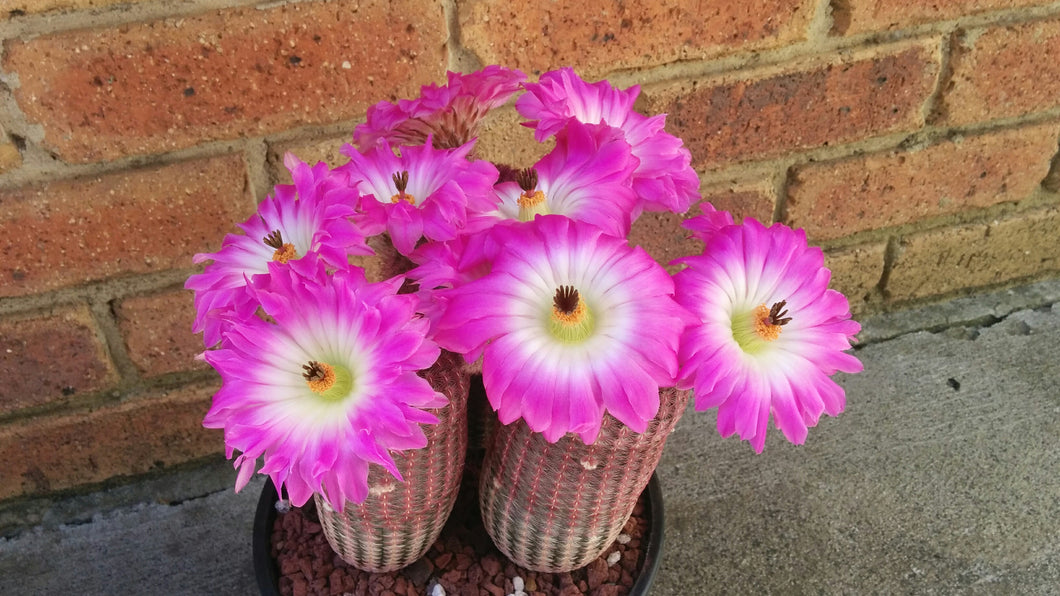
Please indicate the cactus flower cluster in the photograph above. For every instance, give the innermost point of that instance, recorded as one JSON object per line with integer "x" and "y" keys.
{"x": 524, "y": 269}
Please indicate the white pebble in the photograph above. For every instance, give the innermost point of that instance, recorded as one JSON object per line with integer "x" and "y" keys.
{"x": 623, "y": 539}
{"x": 517, "y": 583}
{"x": 437, "y": 590}
{"x": 613, "y": 557}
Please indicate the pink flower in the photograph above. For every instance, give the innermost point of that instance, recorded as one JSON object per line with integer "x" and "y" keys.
{"x": 770, "y": 332}
{"x": 449, "y": 114}
{"x": 711, "y": 220}
{"x": 329, "y": 388}
{"x": 664, "y": 180}
{"x": 587, "y": 177}
{"x": 571, "y": 322}
{"x": 424, "y": 193}
{"x": 310, "y": 216}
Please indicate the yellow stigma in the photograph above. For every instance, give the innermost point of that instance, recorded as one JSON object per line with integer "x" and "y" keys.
{"x": 531, "y": 199}
{"x": 571, "y": 319}
{"x": 755, "y": 330}
{"x": 285, "y": 253}
{"x": 764, "y": 327}
{"x": 320, "y": 376}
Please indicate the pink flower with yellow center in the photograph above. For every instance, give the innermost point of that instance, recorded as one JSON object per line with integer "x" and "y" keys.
{"x": 770, "y": 332}
{"x": 664, "y": 179}
{"x": 587, "y": 177}
{"x": 448, "y": 114}
{"x": 571, "y": 323}
{"x": 310, "y": 216}
{"x": 423, "y": 193}
{"x": 328, "y": 388}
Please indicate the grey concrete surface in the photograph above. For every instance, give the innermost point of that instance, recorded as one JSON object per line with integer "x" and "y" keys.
{"x": 942, "y": 477}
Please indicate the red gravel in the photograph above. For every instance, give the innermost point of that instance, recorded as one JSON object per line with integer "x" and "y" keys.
{"x": 463, "y": 560}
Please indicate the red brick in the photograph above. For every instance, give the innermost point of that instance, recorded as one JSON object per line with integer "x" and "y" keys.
{"x": 753, "y": 115}
{"x": 661, "y": 235}
{"x": 73, "y": 231}
{"x": 1003, "y": 72}
{"x": 599, "y": 36}
{"x": 856, "y": 272}
{"x": 752, "y": 200}
{"x": 157, "y": 332}
{"x": 851, "y": 17}
{"x": 322, "y": 149}
{"x": 164, "y": 85}
{"x": 949, "y": 260}
{"x": 154, "y": 431}
{"x": 502, "y": 139}
{"x": 49, "y": 357}
{"x": 834, "y": 199}
{"x": 13, "y": 8}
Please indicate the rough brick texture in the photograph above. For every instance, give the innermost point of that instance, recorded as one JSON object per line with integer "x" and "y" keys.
{"x": 151, "y": 432}
{"x": 159, "y": 86}
{"x": 661, "y": 234}
{"x": 1004, "y": 72}
{"x": 10, "y": 156}
{"x": 856, "y": 272}
{"x": 157, "y": 332}
{"x": 598, "y": 36}
{"x": 836, "y": 199}
{"x": 756, "y": 115}
{"x": 52, "y": 356}
{"x": 959, "y": 258}
{"x": 326, "y": 150}
{"x": 133, "y": 134}
{"x": 16, "y": 8}
{"x": 502, "y": 139}
{"x": 749, "y": 200}
{"x": 851, "y": 17}
{"x": 69, "y": 232}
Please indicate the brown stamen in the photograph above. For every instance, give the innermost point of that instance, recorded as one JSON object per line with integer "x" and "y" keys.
{"x": 401, "y": 181}
{"x": 527, "y": 179}
{"x": 768, "y": 322}
{"x": 571, "y": 320}
{"x": 777, "y": 312}
{"x": 566, "y": 300}
{"x": 274, "y": 240}
{"x": 320, "y": 376}
{"x": 285, "y": 251}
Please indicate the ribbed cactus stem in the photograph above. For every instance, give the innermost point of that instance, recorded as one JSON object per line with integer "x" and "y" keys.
{"x": 555, "y": 507}
{"x": 399, "y": 521}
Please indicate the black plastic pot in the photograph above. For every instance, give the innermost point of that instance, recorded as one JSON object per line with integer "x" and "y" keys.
{"x": 268, "y": 575}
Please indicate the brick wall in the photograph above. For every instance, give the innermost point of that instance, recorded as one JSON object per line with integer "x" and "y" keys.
{"x": 916, "y": 141}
